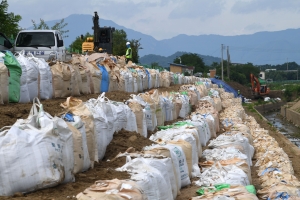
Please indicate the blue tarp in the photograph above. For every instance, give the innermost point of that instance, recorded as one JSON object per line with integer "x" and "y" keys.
{"x": 104, "y": 80}
{"x": 227, "y": 87}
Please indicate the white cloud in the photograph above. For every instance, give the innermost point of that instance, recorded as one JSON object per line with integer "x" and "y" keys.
{"x": 164, "y": 19}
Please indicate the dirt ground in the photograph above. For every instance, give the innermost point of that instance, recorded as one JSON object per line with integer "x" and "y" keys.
{"x": 121, "y": 142}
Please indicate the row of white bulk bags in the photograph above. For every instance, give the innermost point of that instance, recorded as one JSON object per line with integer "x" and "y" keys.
{"x": 36, "y": 79}
{"x": 109, "y": 117}
{"x": 48, "y": 160}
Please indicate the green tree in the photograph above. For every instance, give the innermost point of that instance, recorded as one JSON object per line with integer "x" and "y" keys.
{"x": 135, "y": 46}
{"x": 9, "y": 22}
{"x": 192, "y": 59}
{"x": 57, "y": 26}
{"x": 119, "y": 42}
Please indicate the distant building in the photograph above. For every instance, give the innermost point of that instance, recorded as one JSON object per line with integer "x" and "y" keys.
{"x": 179, "y": 68}
{"x": 267, "y": 70}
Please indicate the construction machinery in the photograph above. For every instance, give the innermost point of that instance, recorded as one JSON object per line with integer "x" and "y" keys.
{"x": 102, "y": 41}
{"x": 259, "y": 89}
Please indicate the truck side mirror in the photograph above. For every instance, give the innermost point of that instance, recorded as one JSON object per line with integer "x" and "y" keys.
{"x": 60, "y": 43}
{"x": 7, "y": 44}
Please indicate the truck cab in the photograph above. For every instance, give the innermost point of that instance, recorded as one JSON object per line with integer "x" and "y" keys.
{"x": 47, "y": 44}
{"x": 5, "y": 44}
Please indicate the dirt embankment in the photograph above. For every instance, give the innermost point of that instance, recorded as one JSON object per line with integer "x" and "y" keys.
{"x": 246, "y": 91}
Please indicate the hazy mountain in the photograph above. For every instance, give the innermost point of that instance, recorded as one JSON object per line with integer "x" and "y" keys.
{"x": 165, "y": 60}
{"x": 260, "y": 48}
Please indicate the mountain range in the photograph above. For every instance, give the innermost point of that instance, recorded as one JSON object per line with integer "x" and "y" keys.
{"x": 275, "y": 47}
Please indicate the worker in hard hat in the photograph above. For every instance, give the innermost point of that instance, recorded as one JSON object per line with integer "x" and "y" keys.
{"x": 128, "y": 52}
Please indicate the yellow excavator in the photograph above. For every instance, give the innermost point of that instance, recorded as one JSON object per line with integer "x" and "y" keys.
{"x": 102, "y": 40}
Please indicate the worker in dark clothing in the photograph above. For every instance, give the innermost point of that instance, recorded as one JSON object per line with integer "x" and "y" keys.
{"x": 128, "y": 52}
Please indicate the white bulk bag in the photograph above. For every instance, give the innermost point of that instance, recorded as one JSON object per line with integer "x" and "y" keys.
{"x": 48, "y": 68}
{"x": 156, "y": 149}
{"x": 185, "y": 108}
{"x": 181, "y": 160}
{"x": 4, "y": 83}
{"x": 101, "y": 127}
{"x": 190, "y": 139}
{"x": 168, "y": 108}
{"x": 110, "y": 112}
{"x": 121, "y": 117}
{"x": 39, "y": 120}
{"x": 166, "y": 169}
{"x": 149, "y": 179}
{"x": 77, "y": 149}
{"x": 30, "y": 160}
{"x": 46, "y": 90}
{"x": 135, "y": 85}
{"x": 203, "y": 129}
{"x": 86, "y": 157}
{"x": 130, "y": 82}
{"x": 33, "y": 76}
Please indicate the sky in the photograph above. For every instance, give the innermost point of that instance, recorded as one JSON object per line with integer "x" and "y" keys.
{"x": 164, "y": 19}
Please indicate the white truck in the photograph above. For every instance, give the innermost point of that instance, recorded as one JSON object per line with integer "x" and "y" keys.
{"x": 47, "y": 44}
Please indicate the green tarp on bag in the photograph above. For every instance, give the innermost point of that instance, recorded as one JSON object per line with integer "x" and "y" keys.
{"x": 15, "y": 72}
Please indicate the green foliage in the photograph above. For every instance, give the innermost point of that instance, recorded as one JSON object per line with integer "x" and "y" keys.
{"x": 119, "y": 42}
{"x": 186, "y": 74}
{"x": 57, "y": 26}
{"x": 135, "y": 46}
{"x": 77, "y": 43}
{"x": 8, "y": 21}
{"x": 119, "y": 45}
{"x": 238, "y": 72}
{"x": 192, "y": 59}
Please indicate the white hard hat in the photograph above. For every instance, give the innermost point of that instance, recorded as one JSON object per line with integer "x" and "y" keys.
{"x": 127, "y": 43}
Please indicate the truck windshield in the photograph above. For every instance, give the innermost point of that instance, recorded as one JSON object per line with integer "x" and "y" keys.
{"x": 35, "y": 39}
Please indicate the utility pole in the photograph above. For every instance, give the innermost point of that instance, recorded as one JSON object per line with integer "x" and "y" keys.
{"x": 228, "y": 60}
{"x": 287, "y": 64}
{"x": 222, "y": 61}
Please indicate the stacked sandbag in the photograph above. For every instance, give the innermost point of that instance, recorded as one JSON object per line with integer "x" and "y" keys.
{"x": 82, "y": 74}
{"x": 24, "y": 93}
{"x": 182, "y": 136}
{"x": 63, "y": 76}
{"x": 77, "y": 108}
{"x": 15, "y": 72}
{"x": 48, "y": 145}
{"x": 82, "y": 160}
{"x": 4, "y": 81}
{"x": 140, "y": 117}
{"x": 165, "y": 79}
{"x": 148, "y": 176}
